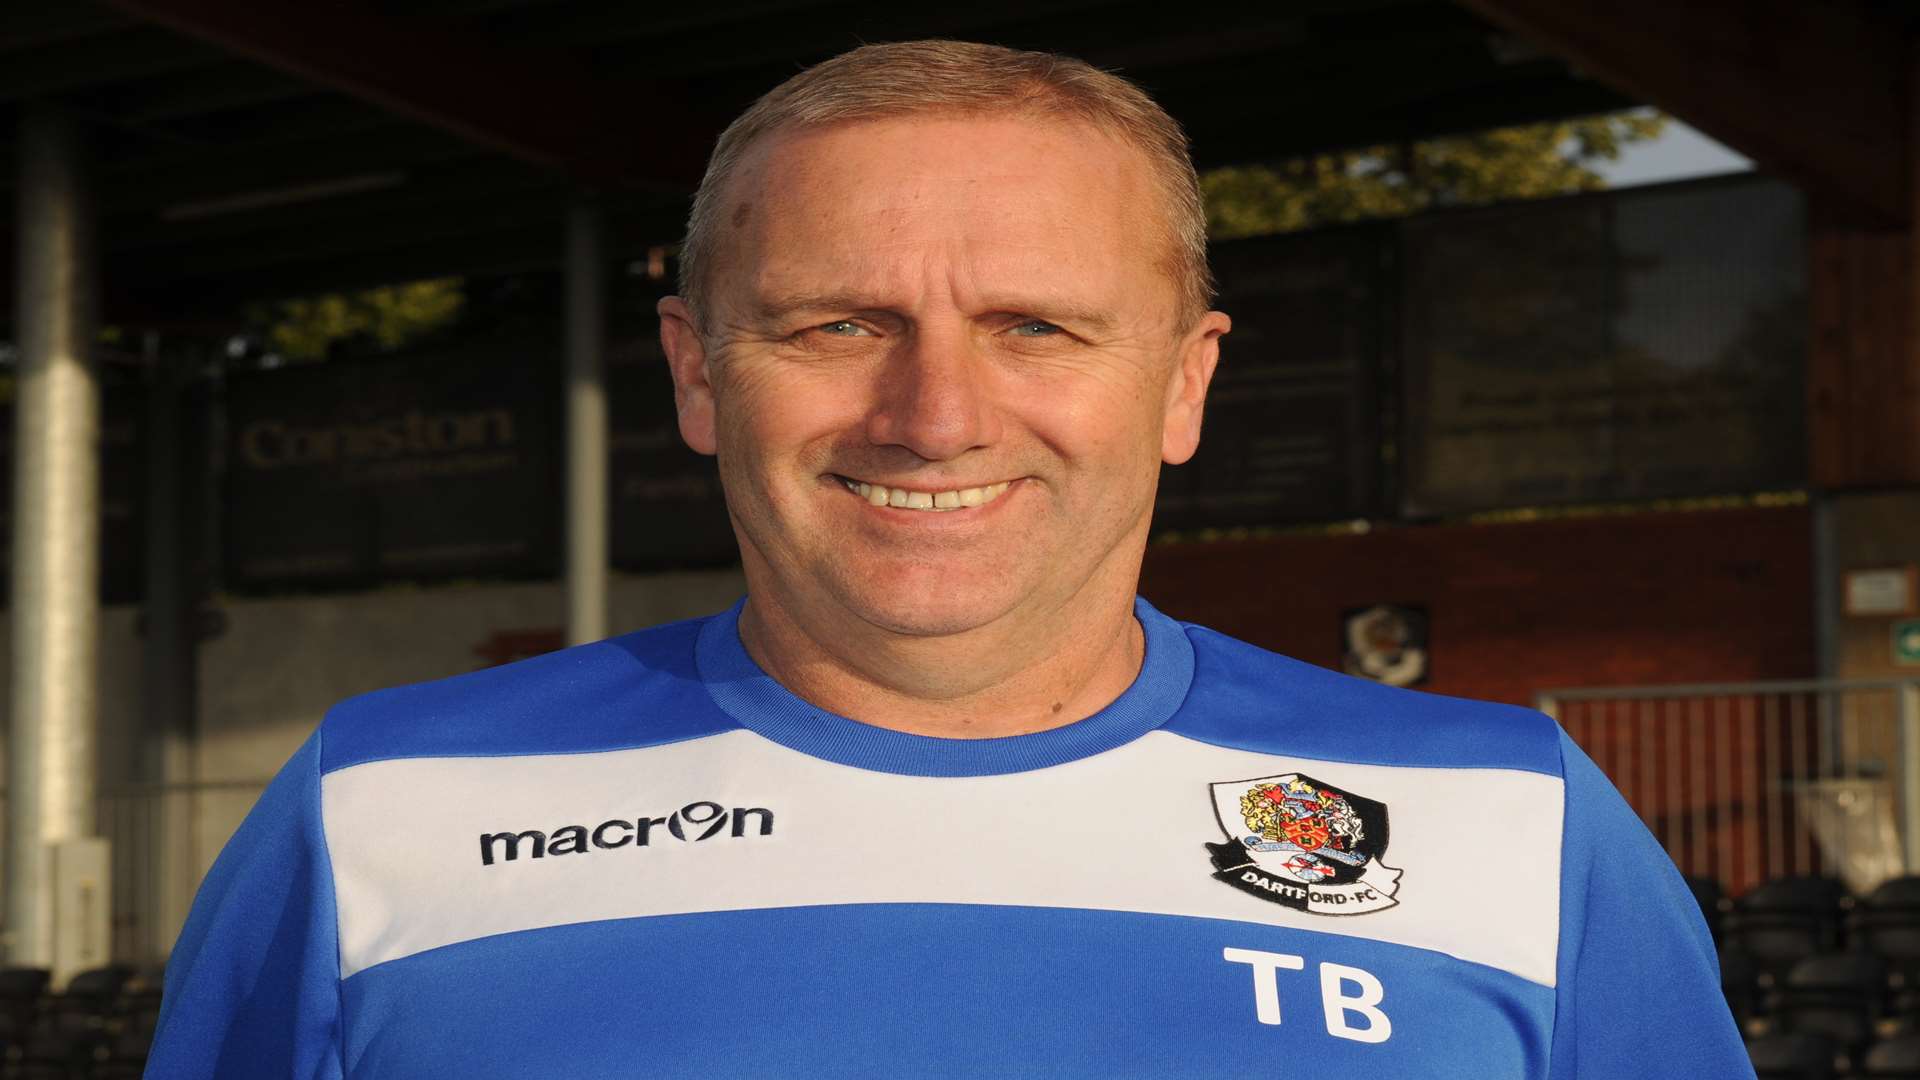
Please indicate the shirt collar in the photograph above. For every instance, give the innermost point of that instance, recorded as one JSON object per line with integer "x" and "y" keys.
{"x": 762, "y": 705}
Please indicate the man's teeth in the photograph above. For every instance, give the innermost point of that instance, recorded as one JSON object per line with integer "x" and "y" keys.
{"x": 881, "y": 495}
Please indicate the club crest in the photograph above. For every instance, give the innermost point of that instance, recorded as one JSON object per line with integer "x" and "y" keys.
{"x": 1304, "y": 844}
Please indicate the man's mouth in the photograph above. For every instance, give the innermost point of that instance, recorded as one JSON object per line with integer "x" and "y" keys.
{"x": 937, "y": 501}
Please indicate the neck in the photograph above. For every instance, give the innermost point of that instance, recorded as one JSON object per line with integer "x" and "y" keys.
{"x": 1014, "y": 676}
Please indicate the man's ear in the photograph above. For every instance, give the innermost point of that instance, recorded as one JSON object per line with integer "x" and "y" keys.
{"x": 687, "y": 359}
{"x": 1199, "y": 353}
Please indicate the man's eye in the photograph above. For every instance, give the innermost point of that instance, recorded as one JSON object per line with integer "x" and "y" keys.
{"x": 843, "y": 328}
{"x": 1035, "y": 328}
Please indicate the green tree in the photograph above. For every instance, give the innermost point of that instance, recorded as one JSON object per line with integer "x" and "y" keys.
{"x": 387, "y": 317}
{"x": 1525, "y": 162}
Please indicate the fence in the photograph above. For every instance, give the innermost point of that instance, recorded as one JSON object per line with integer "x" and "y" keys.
{"x": 1745, "y": 782}
{"x": 162, "y": 838}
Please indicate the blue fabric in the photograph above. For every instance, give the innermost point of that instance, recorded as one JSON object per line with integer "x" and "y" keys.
{"x": 1638, "y": 977}
{"x": 932, "y": 990}
{"x": 253, "y": 988}
{"x": 639, "y": 689}
{"x": 942, "y": 990}
{"x": 756, "y": 701}
{"x": 1250, "y": 699}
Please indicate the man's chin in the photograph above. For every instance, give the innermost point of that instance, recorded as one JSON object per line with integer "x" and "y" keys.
{"x": 929, "y": 613}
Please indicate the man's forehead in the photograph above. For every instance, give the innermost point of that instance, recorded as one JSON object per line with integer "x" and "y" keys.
{"x": 1031, "y": 206}
{"x": 884, "y": 155}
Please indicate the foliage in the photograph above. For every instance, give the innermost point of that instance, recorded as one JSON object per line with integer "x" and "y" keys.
{"x": 1525, "y": 162}
{"x": 385, "y": 318}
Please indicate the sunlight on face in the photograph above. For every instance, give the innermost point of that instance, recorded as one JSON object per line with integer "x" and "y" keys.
{"x": 943, "y": 357}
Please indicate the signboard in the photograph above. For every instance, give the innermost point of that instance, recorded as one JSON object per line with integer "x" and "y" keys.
{"x": 1292, "y": 420}
{"x": 1879, "y": 592}
{"x": 1636, "y": 345}
{"x": 666, "y": 505}
{"x": 122, "y": 490}
{"x": 429, "y": 466}
{"x": 1906, "y": 643}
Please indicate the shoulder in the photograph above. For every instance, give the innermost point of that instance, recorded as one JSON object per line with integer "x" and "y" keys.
{"x": 635, "y": 690}
{"x": 1248, "y": 698}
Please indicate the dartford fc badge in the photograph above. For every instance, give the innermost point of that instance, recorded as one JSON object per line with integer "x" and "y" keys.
{"x": 1307, "y": 845}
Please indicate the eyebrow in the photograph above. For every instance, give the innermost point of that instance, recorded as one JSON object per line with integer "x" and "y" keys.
{"x": 778, "y": 308}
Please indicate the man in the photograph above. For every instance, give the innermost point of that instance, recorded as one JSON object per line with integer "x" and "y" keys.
{"x": 941, "y": 797}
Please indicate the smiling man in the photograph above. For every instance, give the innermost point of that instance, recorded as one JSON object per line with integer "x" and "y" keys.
{"x": 941, "y": 796}
{"x": 941, "y": 358}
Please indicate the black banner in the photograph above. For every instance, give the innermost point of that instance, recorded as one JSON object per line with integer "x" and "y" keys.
{"x": 667, "y": 507}
{"x": 422, "y": 467}
{"x": 1635, "y": 345}
{"x": 1292, "y": 421}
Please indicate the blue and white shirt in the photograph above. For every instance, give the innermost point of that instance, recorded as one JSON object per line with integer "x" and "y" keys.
{"x": 646, "y": 858}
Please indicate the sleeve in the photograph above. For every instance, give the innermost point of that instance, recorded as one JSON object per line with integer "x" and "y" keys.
{"x": 1639, "y": 981}
{"x": 253, "y": 986}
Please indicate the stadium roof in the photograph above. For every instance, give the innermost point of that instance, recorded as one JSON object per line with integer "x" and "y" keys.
{"x": 246, "y": 149}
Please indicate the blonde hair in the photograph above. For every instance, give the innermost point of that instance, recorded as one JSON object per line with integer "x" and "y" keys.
{"x": 879, "y": 81}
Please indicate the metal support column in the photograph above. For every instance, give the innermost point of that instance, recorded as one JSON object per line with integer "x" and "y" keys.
{"x": 56, "y": 542}
{"x": 1826, "y": 587}
{"x": 170, "y": 690}
{"x": 586, "y": 427}
{"x": 1907, "y": 772}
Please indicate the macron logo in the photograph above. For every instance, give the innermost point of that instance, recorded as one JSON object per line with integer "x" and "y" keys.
{"x": 690, "y": 824}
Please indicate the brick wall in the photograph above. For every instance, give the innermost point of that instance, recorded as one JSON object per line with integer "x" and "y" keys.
{"x": 1711, "y": 596}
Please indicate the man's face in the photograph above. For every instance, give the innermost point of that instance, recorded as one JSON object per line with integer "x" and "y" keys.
{"x": 971, "y": 313}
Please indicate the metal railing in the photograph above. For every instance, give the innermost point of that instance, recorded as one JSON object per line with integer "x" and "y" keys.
{"x": 1749, "y": 781}
{"x": 162, "y": 838}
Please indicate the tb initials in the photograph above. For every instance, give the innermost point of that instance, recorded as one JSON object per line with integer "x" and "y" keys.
{"x": 1337, "y": 1005}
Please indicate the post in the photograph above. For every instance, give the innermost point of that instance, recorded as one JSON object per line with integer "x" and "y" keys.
{"x": 1909, "y": 774}
{"x": 169, "y": 683}
{"x": 56, "y": 531}
{"x": 586, "y": 427}
{"x": 1826, "y": 588}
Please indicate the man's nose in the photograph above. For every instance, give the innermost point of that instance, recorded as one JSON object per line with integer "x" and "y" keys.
{"x": 935, "y": 398}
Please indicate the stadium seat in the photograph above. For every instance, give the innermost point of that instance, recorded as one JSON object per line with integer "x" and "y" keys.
{"x": 1793, "y": 1055}
{"x": 1712, "y": 898}
{"x": 90, "y": 1005}
{"x": 1838, "y": 995}
{"x": 140, "y": 1002}
{"x": 1786, "y": 920}
{"x": 1888, "y": 922}
{"x": 99, "y": 984}
{"x": 21, "y": 991}
{"x": 143, "y": 1013}
{"x": 1900, "y": 892}
{"x": 56, "y": 1053}
{"x": 122, "y": 1059}
{"x": 23, "y": 982}
{"x": 1740, "y": 984}
{"x": 1893, "y": 1059}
